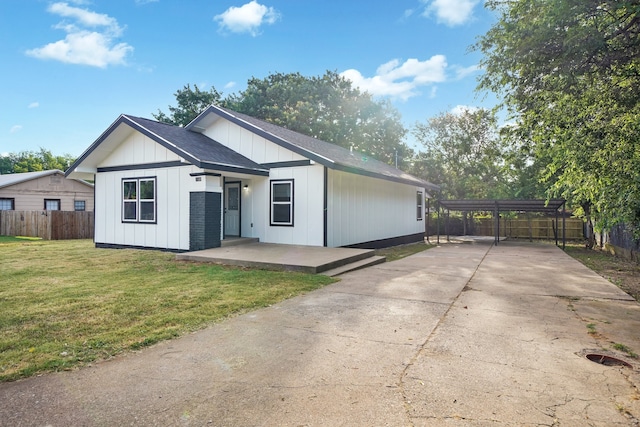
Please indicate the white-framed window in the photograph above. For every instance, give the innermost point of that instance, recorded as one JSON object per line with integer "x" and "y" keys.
{"x": 7, "y": 204}
{"x": 419, "y": 205}
{"x": 282, "y": 202}
{"x": 139, "y": 200}
{"x": 51, "y": 204}
{"x": 79, "y": 205}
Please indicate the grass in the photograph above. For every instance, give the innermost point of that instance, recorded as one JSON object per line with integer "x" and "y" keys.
{"x": 17, "y": 239}
{"x": 623, "y": 273}
{"x": 64, "y": 304}
{"x": 625, "y": 349}
{"x": 398, "y": 252}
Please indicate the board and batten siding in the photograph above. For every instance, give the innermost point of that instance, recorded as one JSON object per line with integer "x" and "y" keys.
{"x": 256, "y": 206}
{"x": 250, "y": 145}
{"x": 171, "y": 229}
{"x": 308, "y": 222}
{"x": 363, "y": 209}
{"x": 173, "y": 185}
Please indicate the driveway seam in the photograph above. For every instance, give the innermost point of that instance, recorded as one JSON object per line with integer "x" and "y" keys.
{"x": 421, "y": 348}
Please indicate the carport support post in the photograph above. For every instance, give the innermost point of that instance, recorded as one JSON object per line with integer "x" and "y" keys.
{"x": 496, "y": 224}
{"x": 556, "y": 230}
{"x": 446, "y": 225}
{"x": 428, "y": 219}
{"x": 438, "y": 225}
{"x": 564, "y": 228}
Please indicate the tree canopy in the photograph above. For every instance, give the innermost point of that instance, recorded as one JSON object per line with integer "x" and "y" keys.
{"x": 464, "y": 154}
{"x": 326, "y": 107}
{"x": 34, "y": 161}
{"x": 569, "y": 72}
{"x": 191, "y": 102}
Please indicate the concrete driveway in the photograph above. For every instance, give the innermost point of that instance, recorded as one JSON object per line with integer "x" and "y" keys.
{"x": 460, "y": 335}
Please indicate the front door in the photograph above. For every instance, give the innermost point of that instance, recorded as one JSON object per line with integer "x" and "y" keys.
{"x": 232, "y": 209}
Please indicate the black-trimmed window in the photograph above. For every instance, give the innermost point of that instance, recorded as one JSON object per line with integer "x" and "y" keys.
{"x": 7, "y": 204}
{"x": 79, "y": 205}
{"x": 419, "y": 206}
{"x": 139, "y": 200}
{"x": 51, "y": 204}
{"x": 282, "y": 202}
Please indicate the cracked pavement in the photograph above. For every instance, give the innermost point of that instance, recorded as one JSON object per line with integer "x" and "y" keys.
{"x": 461, "y": 334}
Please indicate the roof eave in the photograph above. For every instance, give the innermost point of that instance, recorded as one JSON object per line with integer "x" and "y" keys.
{"x": 124, "y": 119}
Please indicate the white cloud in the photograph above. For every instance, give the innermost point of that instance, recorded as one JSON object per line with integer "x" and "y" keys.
{"x": 401, "y": 80}
{"x": 34, "y": 105}
{"x": 84, "y": 16}
{"x": 143, "y": 2}
{"x": 230, "y": 85}
{"x": 15, "y": 128}
{"x": 461, "y": 109}
{"x": 462, "y": 72}
{"x": 450, "y": 12}
{"x": 247, "y": 18}
{"x": 90, "y": 40}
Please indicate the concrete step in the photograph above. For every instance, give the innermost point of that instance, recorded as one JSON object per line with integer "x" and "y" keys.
{"x": 235, "y": 241}
{"x": 367, "y": 262}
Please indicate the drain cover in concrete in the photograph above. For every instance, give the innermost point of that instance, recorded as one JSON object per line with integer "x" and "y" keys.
{"x": 607, "y": 360}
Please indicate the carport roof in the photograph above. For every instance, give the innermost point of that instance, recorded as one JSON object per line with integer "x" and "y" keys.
{"x": 488, "y": 205}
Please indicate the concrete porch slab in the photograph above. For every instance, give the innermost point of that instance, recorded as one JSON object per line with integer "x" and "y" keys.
{"x": 271, "y": 256}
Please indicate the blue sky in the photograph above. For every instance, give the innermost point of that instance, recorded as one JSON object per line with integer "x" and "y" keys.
{"x": 70, "y": 68}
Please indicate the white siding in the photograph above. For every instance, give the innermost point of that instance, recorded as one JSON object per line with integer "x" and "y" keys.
{"x": 250, "y": 145}
{"x": 173, "y": 185}
{"x": 171, "y": 230}
{"x": 138, "y": 149}
{"x": 308, "y": 202}
{"x": 363, "y": 209}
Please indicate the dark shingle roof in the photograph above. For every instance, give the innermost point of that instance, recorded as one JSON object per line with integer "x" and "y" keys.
{"x": 325, "y": 153}
{"x": 199, "y": 149}
{"x": 204, "y": 152}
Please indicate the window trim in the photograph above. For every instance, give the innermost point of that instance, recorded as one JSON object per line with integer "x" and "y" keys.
{"x": 272, "y": 203}
{"x": 52, "y": 200}
{"x": 10, "y": 200}
{"x": 419, "y": 206}
{"x": 138, "y": 201}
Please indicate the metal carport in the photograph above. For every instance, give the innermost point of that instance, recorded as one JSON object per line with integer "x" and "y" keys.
{"x": 497, "y": 206}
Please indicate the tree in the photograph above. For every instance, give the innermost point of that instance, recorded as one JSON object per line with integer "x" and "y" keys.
{"x": 191, "y": 102}
{"x": 569, "y": 72}
{"x": 463, "y": 153}
{"x": 325, "y": 107}
{"x": 33, "y": 161}
{"x": 329, "y": 108}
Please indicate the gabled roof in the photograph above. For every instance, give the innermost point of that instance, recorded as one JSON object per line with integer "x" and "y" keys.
{"x": 16, "y": 178}
{"x": 325, "y": 153}
{"x": 195, "y": 148}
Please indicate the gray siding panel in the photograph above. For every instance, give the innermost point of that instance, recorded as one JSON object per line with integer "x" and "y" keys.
{"x": 204, "y": 220}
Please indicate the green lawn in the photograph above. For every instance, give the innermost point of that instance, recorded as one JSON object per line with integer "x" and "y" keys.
{"x": 398, "y": 252}
{"x": 64, "y": 303}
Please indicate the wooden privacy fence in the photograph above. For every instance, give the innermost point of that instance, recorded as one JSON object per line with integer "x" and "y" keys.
{"x": 48, "y": 225}
{"x": 535, "y": 228}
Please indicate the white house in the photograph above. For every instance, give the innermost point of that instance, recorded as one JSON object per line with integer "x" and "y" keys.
{"x": 230, "y": 175}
